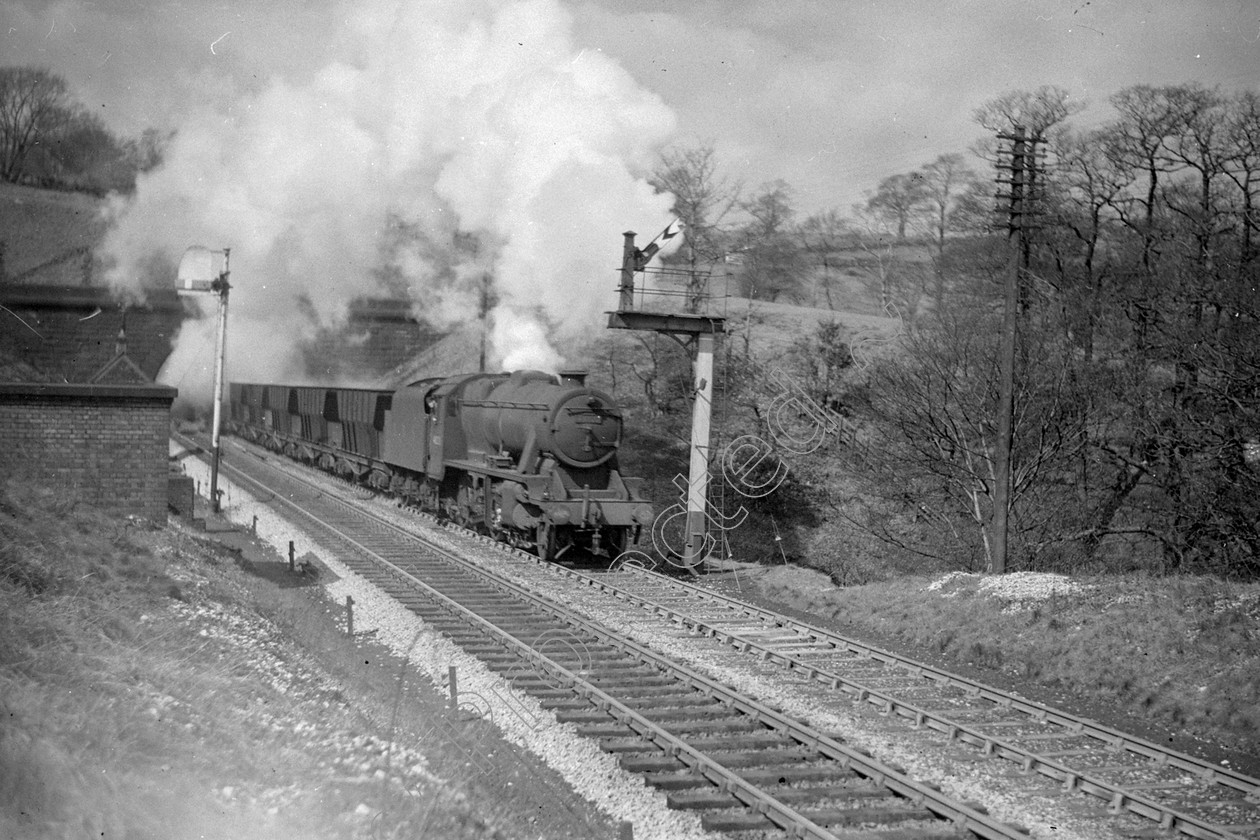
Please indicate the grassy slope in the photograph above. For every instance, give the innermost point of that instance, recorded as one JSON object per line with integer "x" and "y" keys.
{"x": 150, "y": 688}
{"x": 40, "y": 226}
{"x": 1183, "y": 653}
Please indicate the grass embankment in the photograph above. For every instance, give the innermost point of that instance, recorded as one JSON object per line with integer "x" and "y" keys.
{"x": 149, "y": 688}
{"x": 48, "y": 233}
{"x": 1183, "y": 652}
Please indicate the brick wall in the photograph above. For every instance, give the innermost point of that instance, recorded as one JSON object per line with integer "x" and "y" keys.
{"x": 105, "y": 445}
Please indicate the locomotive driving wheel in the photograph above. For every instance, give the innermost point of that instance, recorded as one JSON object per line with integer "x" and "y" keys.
{"x": 545, "y": 541}
{"x": 467, "y": 505}
{"x": 463, "y": 505}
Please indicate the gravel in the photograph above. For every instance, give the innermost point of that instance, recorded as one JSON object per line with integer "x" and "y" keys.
{"x": 592, "y": 773}
{"x": 961, "y": 772}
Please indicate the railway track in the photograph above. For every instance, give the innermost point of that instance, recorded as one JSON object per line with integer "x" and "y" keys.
{"x": 742, "y": 765}
{"x": 1181, "y": 794}
{"x": 1178, "y": 794}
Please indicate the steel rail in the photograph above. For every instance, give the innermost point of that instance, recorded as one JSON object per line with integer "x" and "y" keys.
{"x": 1209, "y": 773}
{"x": 960, "y": 814}
{"x": 725, "y": 779}
{"x": 1118, "y": 797}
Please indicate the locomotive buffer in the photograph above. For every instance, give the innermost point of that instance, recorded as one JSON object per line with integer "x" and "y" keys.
{"x": 698, "y": 334}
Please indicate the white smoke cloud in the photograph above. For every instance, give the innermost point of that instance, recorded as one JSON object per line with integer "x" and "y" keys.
{"x": 430, "y": 127}
{"x": 523, "y": 341}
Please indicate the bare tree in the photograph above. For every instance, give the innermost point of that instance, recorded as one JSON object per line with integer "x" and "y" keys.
{"x": 944, "y": 182}
{"x": 929, "y": 409}
{"x": 772, "y": 254}
{"x": 1081, "y": 192}
{"x": 703, "y": 198}
{"x": 34, "y": 106}
{"x": 897, "y": 200}
{"x": 147, "y": 151}
{"x": 1036, "y": 110}
{"x": 1244, "y": 138}
{"x": 1149, "y": 119}
{"x": 80, "y": 152}
{"x": 823, "y": 234}
{"x": 889, "y": 273}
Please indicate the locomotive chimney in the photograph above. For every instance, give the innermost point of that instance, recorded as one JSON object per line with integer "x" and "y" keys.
{"x": 573, "y": 377}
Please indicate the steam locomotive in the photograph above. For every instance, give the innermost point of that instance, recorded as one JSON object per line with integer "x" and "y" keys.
{"x": 528, "y": 457}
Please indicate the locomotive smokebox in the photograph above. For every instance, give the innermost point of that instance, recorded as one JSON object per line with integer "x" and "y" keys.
{"x": 530, "y": 413}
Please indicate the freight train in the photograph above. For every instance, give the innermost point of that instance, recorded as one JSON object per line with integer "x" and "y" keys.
{"x": 528, "y": 457}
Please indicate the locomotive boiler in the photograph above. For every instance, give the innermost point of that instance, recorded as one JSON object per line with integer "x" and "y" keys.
{"x": 528, "y": 457}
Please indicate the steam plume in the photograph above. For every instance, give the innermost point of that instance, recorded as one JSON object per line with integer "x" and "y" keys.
{"x": 441, "y": 145}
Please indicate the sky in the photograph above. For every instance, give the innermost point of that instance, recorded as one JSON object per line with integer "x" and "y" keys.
{"x": 447, "y": 143}
{"x": 834, "y": 95}
{"x": 829, "y": 95}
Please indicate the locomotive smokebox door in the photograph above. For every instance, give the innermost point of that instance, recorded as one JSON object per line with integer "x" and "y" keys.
{"x": 585, "y": 429}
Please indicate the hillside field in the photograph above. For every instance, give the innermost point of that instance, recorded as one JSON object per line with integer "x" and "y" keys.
{"x": 47, "y": 234}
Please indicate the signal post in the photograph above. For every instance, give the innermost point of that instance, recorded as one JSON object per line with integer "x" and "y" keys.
{"x": 698, "y": 335}
{"x": 205, "y": 272}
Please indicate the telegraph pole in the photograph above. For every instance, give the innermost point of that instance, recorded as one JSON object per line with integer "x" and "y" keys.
{"x": 1010, "y": 322}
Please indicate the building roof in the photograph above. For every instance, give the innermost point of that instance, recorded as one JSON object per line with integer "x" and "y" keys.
{"x": 120, "y": 370}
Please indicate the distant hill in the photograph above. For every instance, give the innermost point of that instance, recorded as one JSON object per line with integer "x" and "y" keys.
{"x": 48, "y": 236}
{"x": 771, "y": 327}
{"x": 775, "y": 326}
